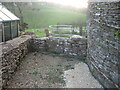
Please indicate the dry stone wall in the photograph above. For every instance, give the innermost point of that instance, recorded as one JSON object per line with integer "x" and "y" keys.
{"x": 74, "y": 46}
{"x": 102, "y": 39}
{"x": 12, "y": 54}
{"x": 15, "y": 50}
{"x": 103, "y": 42}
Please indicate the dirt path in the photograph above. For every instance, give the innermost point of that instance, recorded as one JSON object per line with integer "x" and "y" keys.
{"x": 50, "y": 71}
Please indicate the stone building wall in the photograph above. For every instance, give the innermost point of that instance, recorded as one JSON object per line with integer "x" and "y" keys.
{"x": 74, "y": 46}
{"x": 12, "y": 54}
{"x": 103, "y": 42}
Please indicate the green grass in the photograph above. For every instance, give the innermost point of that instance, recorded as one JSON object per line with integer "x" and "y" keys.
{"x": 67, "y": 67}
{"x": 35, "y": 73}
{"x": 48, "y": 15}
{"x": 54, "y": 76}
{"x": 39, "y": 32}
{"x": 38, "y": 20}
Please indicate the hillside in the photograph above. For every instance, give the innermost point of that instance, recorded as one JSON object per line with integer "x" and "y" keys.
{"x": 40, "y": 16}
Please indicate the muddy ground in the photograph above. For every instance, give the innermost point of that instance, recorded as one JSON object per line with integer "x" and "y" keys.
{"x": 45, "y": 70}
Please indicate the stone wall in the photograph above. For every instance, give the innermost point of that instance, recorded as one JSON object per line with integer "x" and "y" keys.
{"x": 103, "y": 42}
{"x": 13, "y": 52}
{"x": 74, "y": 46}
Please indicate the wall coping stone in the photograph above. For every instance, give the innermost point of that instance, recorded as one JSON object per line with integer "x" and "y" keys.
{"x": 11, "y": 44}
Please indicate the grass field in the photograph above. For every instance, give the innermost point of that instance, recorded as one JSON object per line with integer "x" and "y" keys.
{"x": 39, "y": 32}
{"x": 39, "y": 17}
{"x": 47, "y": 15}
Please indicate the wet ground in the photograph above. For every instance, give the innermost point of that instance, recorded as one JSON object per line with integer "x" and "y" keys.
{"x": 43, "y": 70}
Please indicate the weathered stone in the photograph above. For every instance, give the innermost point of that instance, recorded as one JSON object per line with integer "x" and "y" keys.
{"x": 12, "y": 52}
{"x": 75, "y": 46}
{"x": 103, "y": 45}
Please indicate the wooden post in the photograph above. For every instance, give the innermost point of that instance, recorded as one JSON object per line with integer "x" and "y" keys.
{"x": 17, "y": 28}
{"x": 11, "y": 33}
{"x": 80, "y": 30}
{"x": 3, "y": 33}
{"x": 47, "y": 32}
{"x": 72, "y": 27}
{"x": 57, "y": 27}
